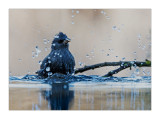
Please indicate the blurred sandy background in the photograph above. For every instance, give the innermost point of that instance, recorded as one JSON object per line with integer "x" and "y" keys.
{"x": 98, "y": 35}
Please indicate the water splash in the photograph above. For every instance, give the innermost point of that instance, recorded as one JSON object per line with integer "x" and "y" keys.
{"x": 48, "y": 69}
{"x": 46, "y": 49}
{"x": 72, "y": 22}
{"x": 87, "y": 55}
{"x": 49, "y": 73}
{"x": 139, "y": 36}
{"x": 107, "y": 17}
{"x": 77, "y": 12}
{"x": 114, "y": 28}
{"x": 123, "y": 59}
{"x": 37, "y": 51}
{"x": 40, "y": 62}
{"x": 20, "y": 60}
{"x": 102, "y": 12}
{"x": 84, "y": 78}
{"x": 45, "y": 41}
{"x": 107, "y": 54}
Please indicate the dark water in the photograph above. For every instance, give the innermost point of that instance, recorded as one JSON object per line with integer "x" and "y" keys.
{"x": 80, "y": 93}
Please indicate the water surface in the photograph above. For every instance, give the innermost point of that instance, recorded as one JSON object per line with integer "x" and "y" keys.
{"x": 116, "y": 93}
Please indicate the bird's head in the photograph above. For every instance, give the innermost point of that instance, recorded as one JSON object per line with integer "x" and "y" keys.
{"x": 60, "y": 41}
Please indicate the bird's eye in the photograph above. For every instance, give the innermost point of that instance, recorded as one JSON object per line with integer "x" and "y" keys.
{"x": 60, "y": 41}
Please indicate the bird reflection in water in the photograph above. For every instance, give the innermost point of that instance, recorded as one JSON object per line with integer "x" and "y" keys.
{"x": 59, "y": 97}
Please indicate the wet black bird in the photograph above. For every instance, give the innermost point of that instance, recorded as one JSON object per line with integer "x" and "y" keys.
{"x": 60, "y": 59}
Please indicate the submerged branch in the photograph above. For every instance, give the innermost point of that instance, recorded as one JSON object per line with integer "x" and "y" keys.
{"x": 122, "y": 64}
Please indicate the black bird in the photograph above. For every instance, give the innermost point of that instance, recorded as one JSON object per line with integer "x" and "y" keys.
{"x": 60, "y": 59}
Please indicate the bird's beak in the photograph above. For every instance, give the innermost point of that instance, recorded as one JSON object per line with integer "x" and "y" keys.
{"x": 66, "y": 40}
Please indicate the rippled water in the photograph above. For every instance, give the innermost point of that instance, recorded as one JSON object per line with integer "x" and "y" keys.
{"x": 81, "y": 92}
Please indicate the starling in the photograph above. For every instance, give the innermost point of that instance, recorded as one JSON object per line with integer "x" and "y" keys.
{"x": 60, "y": 59}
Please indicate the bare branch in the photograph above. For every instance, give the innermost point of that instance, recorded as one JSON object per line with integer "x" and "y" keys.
{"x": 122, "y": 64}
{"x": 115, "y": 71}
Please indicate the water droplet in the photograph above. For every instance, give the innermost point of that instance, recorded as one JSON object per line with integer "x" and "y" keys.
{"x": 48, "y": 41}
{"x": 72, "y": 22}
{"x": 72, "y": 11}
{"x": 123, "y": 59}
{"x": 20, "y": 60}
{"x": 107, "y": 17}
{"x": 48, "y": 69}
{"x": 77, "y": 12}
{"x": 49, "y": 57}
{"x": 29, "y": 72}
{"x": 119, "y": 30}
{"x": 60, "y": 55}
{"x": 134, "y": 53}
{"x": 37, "y": 50}
{"x": 116, "y": 56}
{"x": 149, "y": 73}
{"x": 45, "y": 41}
{"x": 49, "y": 61}
{"x": 46, "y": 49}
{"x": 139, "y": 36}
{"x": 102, "y": 11}
{"x": 36, "y": 54}
{"x": 139, "y": 45}
{"x": 92, "y": 52}
{"x": 56, "y": 36}
{"x": 64, "y": 86}
{"x": 33, "y": 56}
{"x": 33, "y": 52}
{"x": 87, "y": 55}
{"x": 40, "y": 62}
{"x": 80, "y": 64}
{"x": 72, "y": 16}
{"x": 114, "y": 27}
{"x": 107, "y": 54}
{"x": 122, "y": 64}
{"x": 132, "y": 62}
{"x": 111, "y": 50}
{"x": 143, "y": 47}
{"x": 54, "y": 44}
{"x": 49, "y": 73}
